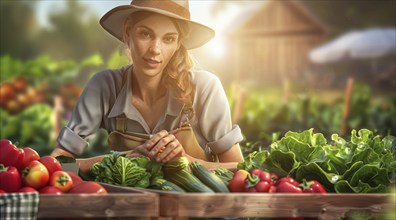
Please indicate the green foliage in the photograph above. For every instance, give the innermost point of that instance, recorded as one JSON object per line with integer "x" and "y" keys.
{"x": 364, "y": 164}
{"x": 31, "y": 128}
{"x": 265, "y": 120}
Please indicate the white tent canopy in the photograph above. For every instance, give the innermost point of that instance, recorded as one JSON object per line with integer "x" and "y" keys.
{"x": 368, "y": 44}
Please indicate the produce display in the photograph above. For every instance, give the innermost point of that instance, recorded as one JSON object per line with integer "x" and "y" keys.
{"x": 17, "y": 94}
{"x": 23, "y": 170}
{"x": 364, "y": 164}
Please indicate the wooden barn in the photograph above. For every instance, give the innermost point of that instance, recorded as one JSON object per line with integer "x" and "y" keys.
{"x": 270, "y": 41}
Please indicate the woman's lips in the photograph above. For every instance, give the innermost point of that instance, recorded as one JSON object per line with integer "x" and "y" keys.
{"x": 152, "y": 63}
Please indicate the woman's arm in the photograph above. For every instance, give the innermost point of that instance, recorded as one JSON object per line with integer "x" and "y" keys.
{"x": 84, "y": 163}
{"x": 228, "y": 159}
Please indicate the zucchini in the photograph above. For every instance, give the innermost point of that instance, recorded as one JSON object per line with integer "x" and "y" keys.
{"x": 176, "y": 164}
{"x": 166, "y": 185}
{"x": 187, "y": 181}
{"x": 208, "y": 178}
{"x": 224, "y": 174}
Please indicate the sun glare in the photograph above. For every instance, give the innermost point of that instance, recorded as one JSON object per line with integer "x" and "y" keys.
{"x": 217, "y": 47}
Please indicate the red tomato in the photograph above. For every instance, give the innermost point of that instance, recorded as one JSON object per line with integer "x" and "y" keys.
{"x": 76, "y": 178}
{"x": 2, "y": 191}
{"x": 88, "y": 187}
{"x": 35, "y": 175}
{"x": 61, "y": 180}
{"x": 27, "y": 189}
{"x": 50, "y": 190}
{"x": 30, "y": 155}
{"x": 51, "y": 163}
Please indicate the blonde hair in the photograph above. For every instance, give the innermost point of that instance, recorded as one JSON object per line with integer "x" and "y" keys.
{"x": 177, "y": 74}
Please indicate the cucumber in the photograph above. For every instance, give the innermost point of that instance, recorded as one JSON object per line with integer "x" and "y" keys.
{"x": 166, "y": 185}
{"x": 208, "y": 178}
{"x": 187, "y": 181}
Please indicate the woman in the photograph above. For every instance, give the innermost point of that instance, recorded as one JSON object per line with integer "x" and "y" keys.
{"x": 157, "y": 93}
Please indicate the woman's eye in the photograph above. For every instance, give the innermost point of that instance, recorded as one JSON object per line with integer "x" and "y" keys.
{"x": 170, "y": 39}
{"x": 145, "y": 34}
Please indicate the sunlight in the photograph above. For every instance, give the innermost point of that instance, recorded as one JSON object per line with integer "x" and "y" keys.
{"x": 217, "y": 47}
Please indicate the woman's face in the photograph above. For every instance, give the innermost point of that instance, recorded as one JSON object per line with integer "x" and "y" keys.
{"x": 152, "y": 42}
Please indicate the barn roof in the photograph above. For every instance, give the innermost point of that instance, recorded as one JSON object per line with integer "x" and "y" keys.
{"x": 248, "y": 13}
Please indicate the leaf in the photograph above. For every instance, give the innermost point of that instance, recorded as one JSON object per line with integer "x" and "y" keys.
{"x": 312, "y": 171}
{"x": 283, "y": 163}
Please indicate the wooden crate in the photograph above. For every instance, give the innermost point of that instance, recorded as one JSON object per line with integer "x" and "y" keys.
{"x": 118, "y": 202}
{"x": 321, "y": 206}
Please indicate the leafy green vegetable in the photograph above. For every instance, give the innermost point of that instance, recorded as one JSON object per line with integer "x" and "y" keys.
{"x": 118, "y": 169}
{"x": 364, "y": 164}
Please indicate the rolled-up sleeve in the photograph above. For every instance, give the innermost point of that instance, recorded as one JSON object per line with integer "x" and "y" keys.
{"x": 214, "y": 116}
{"x": 87, "y": 115}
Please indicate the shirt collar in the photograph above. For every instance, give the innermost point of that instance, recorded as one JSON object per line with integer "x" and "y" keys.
{"x": 174, "y": 107}
{"x": 123, "y": 96}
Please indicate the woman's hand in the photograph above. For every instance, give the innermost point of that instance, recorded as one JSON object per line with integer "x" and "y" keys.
{"x": 163, "y": 147}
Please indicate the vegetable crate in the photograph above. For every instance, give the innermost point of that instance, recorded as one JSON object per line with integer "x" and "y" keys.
{"x": 321, "y": 206}
{"x": 117, "y": 203}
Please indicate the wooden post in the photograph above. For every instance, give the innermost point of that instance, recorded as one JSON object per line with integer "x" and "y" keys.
{"x": 347, "y": 105}
{"x": 57, "y": 118}
{"x": 239, "y": 99}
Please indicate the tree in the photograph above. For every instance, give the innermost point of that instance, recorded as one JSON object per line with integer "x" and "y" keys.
{"x": 75, "y": 33}
{"x": 17, "y": 28}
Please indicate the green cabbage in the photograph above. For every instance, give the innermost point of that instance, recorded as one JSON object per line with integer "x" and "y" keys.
{"x": 118, "y": 169}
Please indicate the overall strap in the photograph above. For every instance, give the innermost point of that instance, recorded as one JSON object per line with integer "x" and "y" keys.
{"x": 121, "y": 119}
{"x": 121, "y": 123}
{"x": 187, "y": 115}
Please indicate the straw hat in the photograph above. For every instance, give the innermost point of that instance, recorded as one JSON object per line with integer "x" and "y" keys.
{"x": 113, "y": 20}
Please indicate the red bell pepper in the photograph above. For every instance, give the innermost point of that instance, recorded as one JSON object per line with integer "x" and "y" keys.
{"x": 10, "y": 179}
{"x": 312, "y": 186}
{"x": 259, "y": 180}
{"x": 237, "y": 183}
{"x": 289, "y": 180}
{"x": 288, "y": 185}
{"x": 11, "y": 155}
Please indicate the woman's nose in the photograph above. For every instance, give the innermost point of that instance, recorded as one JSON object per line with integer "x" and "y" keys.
{"x": 155, "y": 48}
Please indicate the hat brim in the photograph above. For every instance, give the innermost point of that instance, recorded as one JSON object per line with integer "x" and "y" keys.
{"x": 113, "y": 22}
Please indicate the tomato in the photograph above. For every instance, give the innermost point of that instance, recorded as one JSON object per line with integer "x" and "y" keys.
{"x": 76, "y": 178}
{"x": 51, "y": 163}
{"x": 35, "y": 175}
{"x": 88, "y": 187}
{"x": 2, "y": 191}
{"x": 11, "y": 155}
{"x": 7, "y": 92}
{"x": 50, "y": 190}
{"x": 61, "y": 180}
{"x": 30, "y": 155}
{"x": 20, "y": 83}
{"x": 27, "y": 189}
{"x": 10, "y": 179}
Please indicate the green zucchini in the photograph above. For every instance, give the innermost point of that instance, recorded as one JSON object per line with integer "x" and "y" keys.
{"x": 208, "y": 178}
{"x": 176, "y": 164}
{"x": 166, "y": 185}
{"x": 187, "y": 181}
